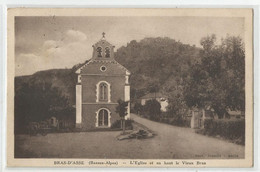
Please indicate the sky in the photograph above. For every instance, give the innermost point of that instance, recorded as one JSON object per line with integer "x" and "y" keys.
{"x": 43, "y": 43}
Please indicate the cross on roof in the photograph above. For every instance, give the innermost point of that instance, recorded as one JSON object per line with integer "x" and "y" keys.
{"x": 103, "y": 34}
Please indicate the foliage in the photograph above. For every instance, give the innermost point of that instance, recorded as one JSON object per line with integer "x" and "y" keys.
{"x": 152, "y": 108}
{"x": 42, "y": 95}
{"x": 156, "y": 63}
{"x": 176, "y": 107}
{"x": 233, "y": 130}
{"x": 159, "y": 65}
{"x": 117, "y": 124}
{"x": 35, "y": 103}
{"x": 181, "y": 122}
{"x": 121, "y": 108}
{"x": 62, "y": 79}
{"x": 138, "y": 108}
{"x": 219, "y": 80}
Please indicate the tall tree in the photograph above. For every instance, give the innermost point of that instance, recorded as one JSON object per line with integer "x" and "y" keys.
{"x": 219, "y": 80}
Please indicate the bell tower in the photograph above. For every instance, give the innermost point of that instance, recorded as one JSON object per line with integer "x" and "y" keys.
{"x": 103, "y": 50}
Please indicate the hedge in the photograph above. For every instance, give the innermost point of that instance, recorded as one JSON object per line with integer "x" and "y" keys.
{"x": 176, "y": 121}
{"x": 117, "y": 124}
{"x": 233, "y": 130}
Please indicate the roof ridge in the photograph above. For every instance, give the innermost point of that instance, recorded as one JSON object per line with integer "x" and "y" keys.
{"x": 122, "y": 67}
{"x": 78, "y": 71}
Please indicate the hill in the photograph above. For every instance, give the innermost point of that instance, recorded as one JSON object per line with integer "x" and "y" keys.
{"x": 62, "y": 79}
{"x": 156, "y": 64}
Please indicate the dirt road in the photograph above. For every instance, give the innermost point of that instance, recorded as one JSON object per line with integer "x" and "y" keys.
{"x": 182, "y": 142}
{"x": 170, "y": 142}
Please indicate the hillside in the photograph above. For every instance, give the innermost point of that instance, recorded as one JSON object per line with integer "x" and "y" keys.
{"x": 63, "y": 79}
{"x": 156, "y": 63}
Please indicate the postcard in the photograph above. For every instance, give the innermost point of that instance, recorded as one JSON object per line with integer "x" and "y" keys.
{"x": 130, "y": 87}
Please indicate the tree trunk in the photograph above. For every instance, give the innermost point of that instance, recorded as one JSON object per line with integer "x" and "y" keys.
{"x": 123, "y": 126}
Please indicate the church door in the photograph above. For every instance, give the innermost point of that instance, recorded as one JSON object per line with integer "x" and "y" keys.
{"x": 103, "y": 118}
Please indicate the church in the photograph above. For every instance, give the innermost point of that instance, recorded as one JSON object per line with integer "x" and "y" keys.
{"x": 101, "y": 82}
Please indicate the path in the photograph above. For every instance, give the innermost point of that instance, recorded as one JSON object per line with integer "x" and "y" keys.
{"x": 185, "y": 143}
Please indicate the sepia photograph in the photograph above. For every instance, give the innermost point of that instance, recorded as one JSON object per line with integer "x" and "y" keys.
{"x": 141, "y": 86}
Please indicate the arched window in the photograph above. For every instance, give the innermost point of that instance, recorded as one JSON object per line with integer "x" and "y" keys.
{"x": 103, "y": 118}
{"x": 107, "y": 52}
{"x": 99, "y": 51}
{"x": 103, "y": 92}
{"x": 103, "y": 89}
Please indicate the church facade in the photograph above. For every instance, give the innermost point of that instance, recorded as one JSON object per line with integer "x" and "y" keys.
{"x": 102, "y": 81}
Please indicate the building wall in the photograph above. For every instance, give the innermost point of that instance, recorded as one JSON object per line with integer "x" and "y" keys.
{"x": 196, "y": 119}
{"x": 89, "y": 88}
{"x": 127, "y": 99}
{"x": 78, "y": 105}
{"x": 164, "y": 105}
{"x": 143, "y": 101}
{"x": 89, "y": 114}
{"x": 111, "y": 68}
{"x": 89, "y": 97}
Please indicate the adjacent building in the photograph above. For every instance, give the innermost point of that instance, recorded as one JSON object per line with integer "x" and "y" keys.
{"x": 162, "y": 99}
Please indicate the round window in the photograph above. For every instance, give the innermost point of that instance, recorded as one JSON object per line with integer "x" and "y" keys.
{"x": 103, "y": 68}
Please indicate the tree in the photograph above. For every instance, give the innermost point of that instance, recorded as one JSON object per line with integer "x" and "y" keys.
{"x": 152, "y": 108}
{"x": 121, "y": 109}
{"x": 138, "y": 108}
{"x": 35, "y": 103}
{"x": 155, "y": 61}
{"x": 219, "y": 80}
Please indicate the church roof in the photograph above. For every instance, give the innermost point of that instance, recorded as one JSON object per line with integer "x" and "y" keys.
{"x": 78, "y": 71}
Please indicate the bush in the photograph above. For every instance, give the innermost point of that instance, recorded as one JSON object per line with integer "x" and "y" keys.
{"x": 229, "y": 129}
{"x": 117, "y": 124}
{"x": 165, "y": 120}
{"x": 186, "y": 122}
{"x": 138, "y": 108}
{"x": 152, "y": 108}
{"x": 176, "y": 121}
{"x": 180, "y": 122}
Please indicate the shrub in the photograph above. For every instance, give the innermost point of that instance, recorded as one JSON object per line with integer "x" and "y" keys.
{"x": 117, "y": 124}
{"x": 138, "y": 108}
{"x": 186, "y": 122}
{"x": 180, "y": 122}
{"x": 165, "y": 120}
{"x": 176, "y": 121}
{"x": 229, "y": 129}
{"x": 152, "y": 108}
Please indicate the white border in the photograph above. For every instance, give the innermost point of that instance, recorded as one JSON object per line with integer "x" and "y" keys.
{"x": 128, "y": 4}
